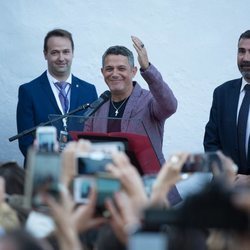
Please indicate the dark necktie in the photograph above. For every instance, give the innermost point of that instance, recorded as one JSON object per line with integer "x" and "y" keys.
{"x": 242, "y": 128}
{"x": 63, "y": 95}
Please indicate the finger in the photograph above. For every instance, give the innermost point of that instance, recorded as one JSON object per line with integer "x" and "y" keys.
{"x": 178, "y": 160}
{"x": 92, "y": 199}
{"x": 115, "y": 216}
{"x": 120, "y": 200}
{"x": 66, "y": 199}
{"x": 242, "y": 201}
{"x": 137, "y": 42}
{"x": 96, "y": 222}
{"x": 227, "y": 162}
{"x": 116, "y": 172}
{"x": 120, "y": 159}
{"x": 69, "y": 147}
{"x": 53, "y": 205}
{"x": 138, "y": 50}
{"x": 83, "y": 145}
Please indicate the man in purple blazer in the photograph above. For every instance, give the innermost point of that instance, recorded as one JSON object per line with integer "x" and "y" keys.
{"x": 41, "y": 97}
{"x": 131, "y": 102}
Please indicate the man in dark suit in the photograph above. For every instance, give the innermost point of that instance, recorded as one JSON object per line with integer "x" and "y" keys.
{"x": 223, "y": 130}
{"x": 42, "y": 96}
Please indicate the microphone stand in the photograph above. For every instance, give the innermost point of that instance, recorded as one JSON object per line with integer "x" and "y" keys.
{"x": 29, "y": 131}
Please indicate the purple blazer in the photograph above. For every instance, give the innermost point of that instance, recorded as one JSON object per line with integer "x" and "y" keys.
{"x": 145, "y": 112}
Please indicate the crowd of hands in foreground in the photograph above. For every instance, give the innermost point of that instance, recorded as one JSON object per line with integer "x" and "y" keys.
{"x": 127, "y": 205}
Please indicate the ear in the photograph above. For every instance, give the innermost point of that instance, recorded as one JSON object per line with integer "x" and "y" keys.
{"x": 134, "y": 71}
{"x": 102, "y": 70}
{"x": 45, "y": 54}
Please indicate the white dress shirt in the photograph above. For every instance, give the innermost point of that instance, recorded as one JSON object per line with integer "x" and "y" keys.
{"x": 242, "y": 94}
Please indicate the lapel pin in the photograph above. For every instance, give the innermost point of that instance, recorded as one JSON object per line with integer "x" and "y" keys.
{"x": 77, "y": 85}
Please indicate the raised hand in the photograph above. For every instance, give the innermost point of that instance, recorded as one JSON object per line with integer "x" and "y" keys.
{"x": 167, "y": 177}
{"x": 141, "y": 51}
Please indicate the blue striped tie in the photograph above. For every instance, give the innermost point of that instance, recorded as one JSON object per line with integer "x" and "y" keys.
{"x": 63, "y": 95}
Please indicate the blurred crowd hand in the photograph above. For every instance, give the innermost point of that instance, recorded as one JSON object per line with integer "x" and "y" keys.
{"x": 123, "y": 217}
{"x": 62, "y": 214}
{"x": 230, "y": 240}
{"x": 242, "y": 199}
{"x": 70, "y": 220}
{"x": 2, "y": 189}
{"x": 69, "y": 159}
{"x": 242, "y": 180}
{"x": 84, "y": 216}
{"x": 229, "y": 168}
{"x": 130, "y": 180}
{"x": 141, "y": 52}
{"x": 169, "y": 174}
{"x": 8, "y": 216}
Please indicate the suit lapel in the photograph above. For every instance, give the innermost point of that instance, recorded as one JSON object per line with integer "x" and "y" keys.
{"x": 101, "y": 122}
{"x": 233, "y": 96}
{"x": 131, "y": 104}
{"x": 74, "y": 94}
{"x": 45, "y": 85}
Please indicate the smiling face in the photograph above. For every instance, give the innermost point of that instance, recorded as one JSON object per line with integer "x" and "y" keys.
{"x": 243, "y": 58}
{"x": 118, "y": 75}
{"x": 59, "y": 56}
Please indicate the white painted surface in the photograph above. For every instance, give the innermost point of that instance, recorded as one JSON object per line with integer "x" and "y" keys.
{"x": 193, "y": 44}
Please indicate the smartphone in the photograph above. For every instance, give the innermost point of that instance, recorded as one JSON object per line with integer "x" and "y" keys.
{"x": 148, "y": 181}
{"x": 92, "y": 162}
{"x": 108, "y": 147}
{"x": 202, "y": 162}
{"x": 46, "y": 137}
{"x": 43, "y": 176}
{"x": 148, "y": 240}
{"x": 81, "y": 188}
{"x": 106, "y": 187}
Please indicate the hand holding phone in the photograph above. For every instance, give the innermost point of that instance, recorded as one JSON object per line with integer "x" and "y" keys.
{"x": 43, "y": 176}
{"x": 104, "y": 184}
{"x": 106, "y": 187}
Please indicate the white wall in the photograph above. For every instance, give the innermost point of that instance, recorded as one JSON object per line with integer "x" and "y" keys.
{"x": 192, "y": 42}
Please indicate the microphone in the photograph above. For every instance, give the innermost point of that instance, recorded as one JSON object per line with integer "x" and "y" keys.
{"x": 94, "y": 106}
{"x": 91, "y": 109}
{"x": 60, "y": 117}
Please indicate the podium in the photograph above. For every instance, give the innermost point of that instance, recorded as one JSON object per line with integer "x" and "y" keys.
{"x": 138, "y": 146}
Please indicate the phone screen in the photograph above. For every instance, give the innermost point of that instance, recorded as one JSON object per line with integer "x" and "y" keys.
{"x": 92, "y": 163}
{"x": 148, "y": 181}
{"x": 148, "y": 241}
{"x": 82, "y": 187}
{"x": 108, "y": 147}
{"x": 106, "y": 187}
{"x": 202, "y": 163}
{"x": 43, "y": 177}
{"x": 46, "y": 139}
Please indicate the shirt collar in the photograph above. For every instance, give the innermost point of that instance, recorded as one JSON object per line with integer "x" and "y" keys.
{"x": 54, "y": 80}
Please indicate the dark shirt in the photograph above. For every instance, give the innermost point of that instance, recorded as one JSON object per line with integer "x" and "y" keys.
{"x": 114, "y": 124}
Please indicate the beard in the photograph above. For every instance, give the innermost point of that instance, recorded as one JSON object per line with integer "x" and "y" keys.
{"x": 245, "y": 72}
{"x": 246, "y": 75}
